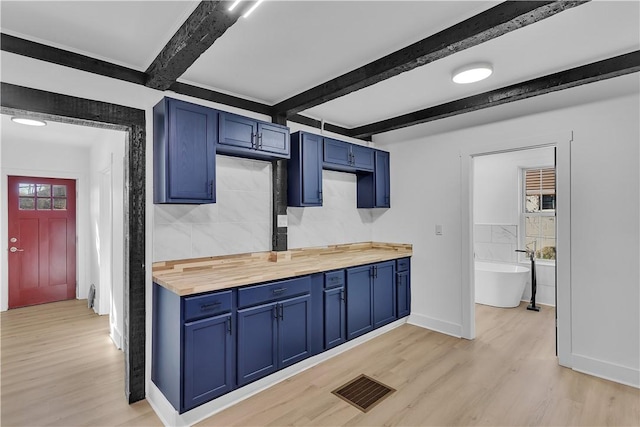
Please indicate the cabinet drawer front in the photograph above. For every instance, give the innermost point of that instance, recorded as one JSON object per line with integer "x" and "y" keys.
{"x": 402, "y": 264}
{"x": 260, "y": 294}
{"x": 206, "y": 305}
{"x": 333, "y": 279}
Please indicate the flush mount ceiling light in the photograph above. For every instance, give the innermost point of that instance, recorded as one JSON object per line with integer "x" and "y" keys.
{"x": 472, "y": 73}
{"x": 28, "y": 122}
{"x": 248, "y": 12}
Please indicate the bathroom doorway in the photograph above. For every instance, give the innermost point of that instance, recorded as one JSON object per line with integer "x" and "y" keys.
{"x": 513, "y": 209}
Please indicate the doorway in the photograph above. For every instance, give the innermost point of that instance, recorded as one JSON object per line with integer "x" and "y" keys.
{"x": 51, "y": 106}
{"x": 514, "y": 201}
{"x": 562, "y": 140}
{"x": 42, "y": 240}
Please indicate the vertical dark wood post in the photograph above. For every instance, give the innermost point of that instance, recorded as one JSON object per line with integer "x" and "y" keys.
{"x": 279, "y": 174}
{"x": 134, "y": 313}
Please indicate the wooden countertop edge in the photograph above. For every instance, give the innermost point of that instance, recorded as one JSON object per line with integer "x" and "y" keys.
{"x": 179, "y": 276}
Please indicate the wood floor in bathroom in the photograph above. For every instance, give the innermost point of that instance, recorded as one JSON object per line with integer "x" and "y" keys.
{"x": 60, "y": 368}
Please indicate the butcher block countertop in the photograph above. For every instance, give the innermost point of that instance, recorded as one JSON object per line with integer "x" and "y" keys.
{"x": 193, "y": 276}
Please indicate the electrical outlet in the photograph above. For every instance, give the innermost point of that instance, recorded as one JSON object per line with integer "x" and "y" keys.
{"x": 438, "y": 230}
{"x": 283, "y": 221}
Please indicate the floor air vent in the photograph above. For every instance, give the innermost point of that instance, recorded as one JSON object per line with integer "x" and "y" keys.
{"x": 363, "y": 392}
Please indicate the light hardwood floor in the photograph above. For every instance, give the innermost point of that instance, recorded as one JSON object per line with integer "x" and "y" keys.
{"x": 59, "y": 367}
{"x": 509, "y": 376}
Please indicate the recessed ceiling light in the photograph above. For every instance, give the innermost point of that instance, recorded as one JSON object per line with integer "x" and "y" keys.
{"x": 252, "y": 8}
{"x": 472, "y": 73}
{"x": 28, "y": 122}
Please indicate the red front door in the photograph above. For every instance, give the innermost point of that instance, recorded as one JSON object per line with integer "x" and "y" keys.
{"x": 42, "y": 240}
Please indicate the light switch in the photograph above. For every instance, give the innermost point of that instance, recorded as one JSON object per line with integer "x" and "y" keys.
{"x": 438, "y": 230}
{"x": 282, "y": 221}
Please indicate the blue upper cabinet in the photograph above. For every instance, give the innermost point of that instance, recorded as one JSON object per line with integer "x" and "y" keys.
{"x": 362, "y": 158}
{"x": 374, "y": 190}
{"x": 304, "y": 173}
{"x": 246, "y": 137}
{"x": 342, "y": 156}
{"x": 184, "y": 152}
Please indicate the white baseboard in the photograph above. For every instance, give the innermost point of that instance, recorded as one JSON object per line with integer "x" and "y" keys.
{"x": 437, "y": 325}
{"x": 170, "y": 417}
{"x": 606, "y": 370}
{"x": 116, "y": 336}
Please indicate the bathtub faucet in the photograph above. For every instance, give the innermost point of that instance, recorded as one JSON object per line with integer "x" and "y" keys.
{"x": 532, "y": 254}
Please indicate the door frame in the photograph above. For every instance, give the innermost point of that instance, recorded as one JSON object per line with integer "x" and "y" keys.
{"x": 562, "y": 142}
{"x": 44, "y": 105}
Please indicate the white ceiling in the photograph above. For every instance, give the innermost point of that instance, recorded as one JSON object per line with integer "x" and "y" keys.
{"x": 128, "y": 33}
{"x": 286, "y": 47}
{"x": 56, "y": 133}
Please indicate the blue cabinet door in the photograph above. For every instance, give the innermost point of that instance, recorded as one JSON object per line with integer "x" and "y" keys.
{"x": 362, "y": 158}
{"x": 359, "y": 301}
{"x": 208, "y": 355}
{"x": 304, "y": 170}
{"x": 184, "y": 152}
{"x": 294, "y": 330}
{"x": 384, "y": 293}
{"x": 237, "y": 131}
{"x": 374, "y": 189}
{"x": 403, "y": 294}
{"x": 257, "y": 342}
{"x": 334, "y": 317}
{"x": 382, "y": 184}
{"x": 273, "y": 139}
{"x": 337, "y": 154}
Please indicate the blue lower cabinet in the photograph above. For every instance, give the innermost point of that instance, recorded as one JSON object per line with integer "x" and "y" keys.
{"x": 193, "y": 346}
{"x": 359, "y": 300}
{"x": 273, "y": 336}
{"x": 208, "y": 359}
{"x": 335, "y": 332}
{"x": 294, "y": 330}
{"x": 403, "y": 286}
{"x": 384, "y": 294}
{"x": 257, "y": 342}
{"x": 208, "y": 344}
{"x": 404, "y": 294}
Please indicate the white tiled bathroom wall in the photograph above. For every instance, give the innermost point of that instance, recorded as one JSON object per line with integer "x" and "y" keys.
{"x": 239, "y": 221}
{"x": 494, "y": 242}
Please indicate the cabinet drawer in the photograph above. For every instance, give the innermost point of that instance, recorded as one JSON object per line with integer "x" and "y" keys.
{"x": 260, "y": 294}
{"x": 334, "y": 279}
{"x": 402, "y": 264}
{"x": 206, "y": 305}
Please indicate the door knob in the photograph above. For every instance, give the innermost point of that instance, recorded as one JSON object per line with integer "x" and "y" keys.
{"x": 14, "y": 249}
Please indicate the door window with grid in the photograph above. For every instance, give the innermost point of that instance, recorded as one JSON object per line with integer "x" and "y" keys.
{"x": 539, "y": 211}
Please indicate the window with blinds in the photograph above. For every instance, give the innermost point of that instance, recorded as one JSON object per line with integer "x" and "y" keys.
{"x": 539, "y": 206}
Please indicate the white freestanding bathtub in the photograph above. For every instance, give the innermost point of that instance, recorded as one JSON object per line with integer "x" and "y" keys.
{"x": 500, "y": 285}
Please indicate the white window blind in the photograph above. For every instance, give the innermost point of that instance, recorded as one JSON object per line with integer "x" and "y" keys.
{"x": 540, "y": 181}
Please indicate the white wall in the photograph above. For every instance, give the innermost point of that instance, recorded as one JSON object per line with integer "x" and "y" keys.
{"x": 604, "y": 274}
{"x": 497, "y": 187}
{"x": 27, "y": 158}
{"x": 107, "y": 228}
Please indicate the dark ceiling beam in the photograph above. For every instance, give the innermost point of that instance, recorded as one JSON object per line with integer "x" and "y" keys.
{"x": 221, "y": 98}
{"x": 590, "y": 73}
{"x": 492, "y": 23}
{"x": 205, "y": 25}
{"x": 65, "y": 58}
